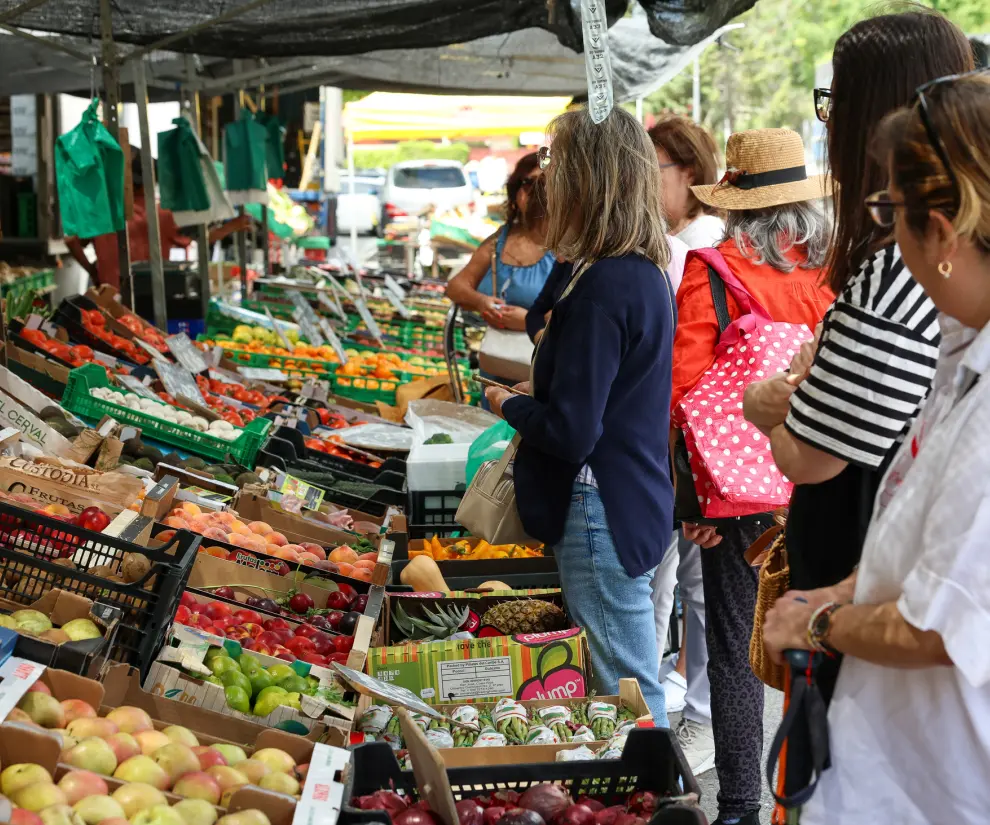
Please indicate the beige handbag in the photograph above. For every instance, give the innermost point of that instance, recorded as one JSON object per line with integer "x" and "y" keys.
{"x": 505, "y": 353}
{"x": 488, "y": 508}
{"x": 769, "y": 555}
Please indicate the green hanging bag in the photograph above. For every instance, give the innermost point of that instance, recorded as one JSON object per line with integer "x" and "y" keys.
{"x": 274, "y": 144}
{"x": 181, "y": 183}
{"x": 244, "y": 145}
{"x": 89, "y": 176}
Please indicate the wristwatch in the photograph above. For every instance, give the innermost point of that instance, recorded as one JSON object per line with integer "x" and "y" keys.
{"x": 820, "y": 626}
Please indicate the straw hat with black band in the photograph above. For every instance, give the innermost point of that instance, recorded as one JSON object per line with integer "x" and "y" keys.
{"x": 765, "y": 167}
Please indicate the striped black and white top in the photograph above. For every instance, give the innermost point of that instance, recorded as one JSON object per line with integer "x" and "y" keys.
{"x": 874, "y": 366}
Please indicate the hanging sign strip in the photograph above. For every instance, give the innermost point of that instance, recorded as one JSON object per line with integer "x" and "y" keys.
{"x": 597, "y": 64}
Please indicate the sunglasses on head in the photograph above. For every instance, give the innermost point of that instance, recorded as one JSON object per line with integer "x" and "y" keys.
{"x": 823, "y": 104}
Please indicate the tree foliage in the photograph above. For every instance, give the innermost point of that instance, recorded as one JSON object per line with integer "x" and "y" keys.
{"x": 383, "y": 158}
{"x": 765, "y": 74}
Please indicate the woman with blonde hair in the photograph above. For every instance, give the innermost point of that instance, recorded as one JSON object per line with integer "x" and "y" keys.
{"x": 909, "y": 722}
{"x": 591, "y": 476}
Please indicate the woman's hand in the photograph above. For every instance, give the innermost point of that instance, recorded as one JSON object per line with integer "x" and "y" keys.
{"x": 513, "y": 318}
{"x": 704, "y": 535}
{"x": 766, "y": 403}
{"x": 496, "y": 398}
{"x": 801, "y": 363}
{"x": 491, "y": 310}
{"x": 523, "y": 387}
{"x": 786, "y": 627}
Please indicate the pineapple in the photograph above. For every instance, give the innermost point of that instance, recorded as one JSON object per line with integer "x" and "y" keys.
{"x": 525, "y": 616}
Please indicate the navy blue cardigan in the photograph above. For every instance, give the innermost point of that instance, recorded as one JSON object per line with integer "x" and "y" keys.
{"x": 602, "y": 382}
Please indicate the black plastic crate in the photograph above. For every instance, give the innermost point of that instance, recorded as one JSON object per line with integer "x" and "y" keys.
{"x": 69, "y": 316}
{"x": 651, "y": 761}
{"x": 38, "y": 553}
{"x": 433, "y": 512}
{"x": 395, "y": 466}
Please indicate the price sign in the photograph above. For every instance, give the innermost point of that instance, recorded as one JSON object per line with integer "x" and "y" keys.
{"x": 278, "y": 330}
{"x": 186, "y": 354}
{"x": 310, "y": 332}
{"x": 393, "y": 286}
{"x": 391, "y": 694}
{"x": 214, "y": 356}
{"x": 262, "y": 374}
{"x": 155, "y": 354}
{"x": 369, "y": 322}
{"x": 137, "y": 386}
{"x": 16, "y": 676}
{"x": 312, "y": 497}
{"x": 334, "y": 305}
{"x": 338, "y": 347}
{"x": 323, "y": 794}
{"x": 226, "y": 376}
{"x": 178, "y": 381}
{"x": 397, "y": 304}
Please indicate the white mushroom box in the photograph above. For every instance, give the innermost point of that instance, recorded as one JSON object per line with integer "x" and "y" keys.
{"x": 156, "y": 409}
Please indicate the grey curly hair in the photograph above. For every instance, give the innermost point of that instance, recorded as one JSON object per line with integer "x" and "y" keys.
{"x": 768, "y": 235}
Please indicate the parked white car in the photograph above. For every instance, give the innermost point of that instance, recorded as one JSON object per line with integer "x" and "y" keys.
{"x": 362, "y": 208}
{"x": 414, "y": 185}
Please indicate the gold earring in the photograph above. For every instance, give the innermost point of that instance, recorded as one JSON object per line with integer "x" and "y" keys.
{"x": 945, "y": 269}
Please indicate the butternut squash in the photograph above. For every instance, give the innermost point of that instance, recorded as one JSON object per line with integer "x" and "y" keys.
{"x": 423, "y": 575}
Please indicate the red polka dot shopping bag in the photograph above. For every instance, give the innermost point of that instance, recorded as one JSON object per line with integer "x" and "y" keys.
{"x": 721, "y": 457}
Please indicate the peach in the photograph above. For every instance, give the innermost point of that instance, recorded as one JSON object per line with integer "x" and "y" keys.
{"x": 200, "y": 523}
{"x": 226, "y": 517}
{"x": 286, "y": 554}
{"x": 130, "y": 719}
{"x": 151, "y": 740}
{"x": 84, "y": 728}
{"x": 199, "y": 785}
{"x": 165, "y": 536}
{"x": 343, "y": 554}
{"x": 124, "y": 746}
{"x": 192, "y": 509}
{"x": 361, "y": 574}
{"x": 57, "y": 510}
{"x": 238, "y": 527}
{"x": 261, "y": 528}
{"x": 177, "y": 523}
{"x": 308, "y": 558}
{"x": 276, "y": 538}
{"x": 77, "y": 709}
{"x": 367, "y": 564}
{"x": 214, "y": 533}
{"x": 78, "y": 785}
{"x": 315, "y": 549}
{"x": 272, "y": 549}
{"x": 345, "y": 569}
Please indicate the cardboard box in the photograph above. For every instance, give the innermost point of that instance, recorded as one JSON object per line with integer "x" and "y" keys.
{"x": 62, "y": 606}
{"x": 36, "y": 431}
{"x": 56, "y": 372}
{"x": 545, "y": 665}
{"x": 51, "y": 481}
{"x": 630, "y": 696}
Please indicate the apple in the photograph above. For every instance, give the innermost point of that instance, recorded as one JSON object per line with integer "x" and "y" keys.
{"x": 315, "y": 659}
{"x": 77, "y": 785}
{"x": 209, "y": 757}
{"x": 236, "y": 633}
{"x": 21, "y": 817}
{"x": 138, "y": 796}
{"x": 159, "y": 815}
{"x": 124, "y": 746}
{"x": 182, "y": 614}
{"x": 40, "y": 687}
{"x": 182, "y": 735}
{"x": 301, "y": 771}
{"x": 196, "y": 811}
{"x": 248, "y": 617}
{"x": 222, "y": 623}
{"x": 227, "y": 777}
{"x": 251, "y": 816}
{"x": 58, "y": 815}
{"x": 151, "y": 740}
{"x": 130, "y": 719}
{"x": 18, "y": 715}
{"x": 276, "y": 624}
{"x": 84, "y": 728}
{"x": 308, "y": 631}
{"x": 282, "y": 652}
{"x": 142, "y": 769}
{"x": 187, "y": 599}
{"x": 20, "y": 776}
{"x": 92, "y": 754}
{"x": 300, "y": 645}
{"x": 253, "y": 770}
{"x": 95, "y": 809}
{"x": 254, "y": 629}
{"x": 38, "y": 796}
{"x": 269, "y": 638}
{"x": 280, "y": 782}
{"x": 277, "y": 760}
{"x": 218, "y": 610}
{"x": 176, "y": 759}
{"x": 201, "y": 785}
{"x": 231, "y": 753}
{"x": 77, "y": 709}
{"x": 43, "y": 709}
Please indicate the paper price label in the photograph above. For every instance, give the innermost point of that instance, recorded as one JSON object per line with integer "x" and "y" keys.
{"x": 16, "y": 676}
{"x": 393, "y": 286}
{"x": 262, "y": 374}
{"x": 369, "y": 322}
{"x": 178, "y": 381}
{"x": 186, "y": 354}
{"x": 334, "y": 305}
{"x": 397, "y": 304}
{"x": 597, "y": 65}
{"x": 338, "y": 347}
{"x": 155, "y": 354}
{"x": 323, "y": 794}
{"x": 278, "y": 330}
{"x": 309, "y": 331}
{"x": 137, "y": 386}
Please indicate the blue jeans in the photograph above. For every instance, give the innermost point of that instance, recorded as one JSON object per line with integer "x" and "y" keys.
{"x": 615, "y": 610}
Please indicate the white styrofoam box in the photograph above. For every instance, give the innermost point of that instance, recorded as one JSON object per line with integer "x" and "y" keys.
{"x": 437, "y": 466}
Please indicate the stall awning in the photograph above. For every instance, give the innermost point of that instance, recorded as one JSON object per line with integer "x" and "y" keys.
{"x": 388, "y": 116}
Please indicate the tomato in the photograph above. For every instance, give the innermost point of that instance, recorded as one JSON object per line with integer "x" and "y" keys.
{"x": 233, "y": 418}
{"x": 35, "y": 336}
{"x": 82, "y": 352}
{"x": 93, "y": 518}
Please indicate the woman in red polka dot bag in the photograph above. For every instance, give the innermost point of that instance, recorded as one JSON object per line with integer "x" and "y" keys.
{"x": 744, "y": 309}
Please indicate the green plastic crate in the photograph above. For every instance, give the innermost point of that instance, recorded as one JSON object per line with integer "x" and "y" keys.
{"x": 30, "y": 283}
{"x": 91, "y": 376}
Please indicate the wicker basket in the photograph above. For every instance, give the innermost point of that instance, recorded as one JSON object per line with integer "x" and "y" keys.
{"x": 775, "y": 574}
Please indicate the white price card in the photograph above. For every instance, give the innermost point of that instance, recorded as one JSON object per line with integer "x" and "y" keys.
{"x": 397, "y": 304}
{"x": 278, "y": 330}
{"x": 16, "y": 676}
{"x": 334, "y": 305}
{"x": 323, "y": 792}
{"x": 178, "y": 381}
{"x": 393, "y": 286}
{"x": 331, "y": 335}
{"x": 135, "y": 385}
{"x": 308, "y": 330}
{"x": 262, "y": 374}
{"x": 186, "y": 354}
{"x": 369, "y": 322}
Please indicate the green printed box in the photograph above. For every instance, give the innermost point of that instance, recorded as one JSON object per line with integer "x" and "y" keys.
{"x": 531, "y": 666}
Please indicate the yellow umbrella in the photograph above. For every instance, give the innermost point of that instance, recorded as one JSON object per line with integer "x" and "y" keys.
{"x": 389, "y": 116}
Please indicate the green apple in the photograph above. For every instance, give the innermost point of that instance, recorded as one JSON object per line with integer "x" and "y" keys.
{"x": 20, "y": 776}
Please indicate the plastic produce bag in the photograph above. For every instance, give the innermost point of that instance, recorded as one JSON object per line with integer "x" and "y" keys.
{"x": 488, "y": 446}
{"x": 180, "y": 172}
{"x": 428, "y": 417}
{"x": 89, "y": 174}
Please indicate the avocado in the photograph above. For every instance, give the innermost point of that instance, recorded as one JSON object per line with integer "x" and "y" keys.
{"x": 172, "y": 459}
{"x": 224, "y": 479}
{"x": 194, "y": 462}
{"x": 50, "y": 412}
{"x": 133, "y": 446}
{"x": 144, "y": 464}
{"x": 63, "y": 427}
{"x": 153, "y": 454}
{"x": 214, "y": 470}
{"x": 247, "y": 478}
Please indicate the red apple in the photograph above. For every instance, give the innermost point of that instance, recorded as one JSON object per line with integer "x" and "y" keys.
{"x": 300, "y": 645}
{"x": 223, "y": 622}
{"x": 261, "y": 647}
{"x": 254, "y": 629}
{"x": 308, "y": 631}
{"x": 340, "y": 658}
{"x": 208, "y": 757}
{"x": 188, "y": 599}
{"x": 349, "y": 592}
{"x": 218, "y": 610}
{"x": 276, "y": 624}
{"x": 269, "y": 638}
{"x": 334, "y": 617}
{"x": 336, "y": 600}
{"x": 282, "y": 652}
{"x": 201, "y": 621}
{"x": 237, "y": 633}
{"x": 343, "y": 644}
{"x": 248, "y": 617}
{"x": 182, "y": 614}
{"x": 315, "y": 659}
{"x": 323, "y": 644}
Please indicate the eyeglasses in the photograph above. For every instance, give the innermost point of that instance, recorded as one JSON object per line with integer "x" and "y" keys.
{"x": 823, "y": 104}
{"x": 882, "y": 209}
{"x": 526, "y": 183}
{"x": 668, "y": 165}
{"x": 544, "y": 156}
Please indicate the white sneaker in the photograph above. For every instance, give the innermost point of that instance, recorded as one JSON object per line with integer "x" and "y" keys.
{"x": 675, "y": 692}
{"x": 698, "y": 743}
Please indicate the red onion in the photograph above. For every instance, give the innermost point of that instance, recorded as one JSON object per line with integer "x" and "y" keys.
{"x": 521, "y": 816}
{"x": 594, "y": 804}
{"x": 642, "y": 802}
{"x": 576, "y": 815}
{"x": 492, "y": 814}
{"x": 607, "y": 816}
{"x": 415, "y": 816}
{"x": 469, "y": 812}
{"x": 383, "y": 801}
{"x": 549, "y": 801}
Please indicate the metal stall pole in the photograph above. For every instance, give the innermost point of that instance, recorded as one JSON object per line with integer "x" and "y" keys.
{"x": 242, "y": 256}
{"x": 151, "y": 207}
{"x": 111, "y": 99}
{"x": 202, "y": 235}
{"x": 266, "y": 252}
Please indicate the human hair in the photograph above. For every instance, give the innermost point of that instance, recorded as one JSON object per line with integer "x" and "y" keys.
{"x": 524, "y": 166}
{"x": 535, "y": 216}
{"x": 981, "y": 53}
{"x": 876, "y": 67}
{"x": 959, "y": 111}
{"x": 766, "y": 236}
{"x": 603, "y": 189}
{"x": 691, "y": 147}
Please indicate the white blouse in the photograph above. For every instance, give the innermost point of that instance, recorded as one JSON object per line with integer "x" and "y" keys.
{"x": 913, "y": 746}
